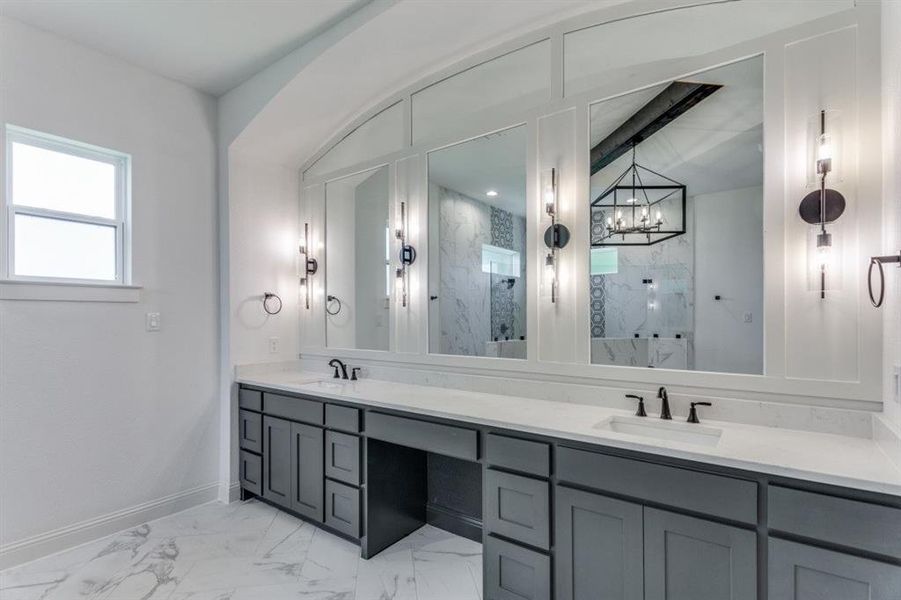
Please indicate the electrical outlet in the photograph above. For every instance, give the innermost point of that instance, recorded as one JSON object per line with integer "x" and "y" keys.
{"x": 748, "y": 317}
{"x": 152, "y": 321}
{"x": 273, "y": 345}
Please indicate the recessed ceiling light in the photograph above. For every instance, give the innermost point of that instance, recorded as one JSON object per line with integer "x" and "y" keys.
{"x": 491, "y": 193}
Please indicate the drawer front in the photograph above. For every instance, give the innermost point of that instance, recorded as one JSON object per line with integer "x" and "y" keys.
{"x": 342, "y": 457}
{"x": 344, "y": 418}
{"x": 714, "y": 495}
{"x": 250, "y": 430}
{"x": 296, "y": 409}
{"x": 518, "y": 508}
{"x": 519, "y": 455}
{"x": 432, "y": 437}
{"x": 515, "y": 573}
{"x": 802, "y": 572}
{"x": 342, "y": 508}
{"x": 250, "y": 399}
{"x": 851, "y": 523}
{"x": 251, "y": 472}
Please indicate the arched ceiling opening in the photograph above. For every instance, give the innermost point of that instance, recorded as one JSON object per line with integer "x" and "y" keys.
{"x": 394, "y": 48}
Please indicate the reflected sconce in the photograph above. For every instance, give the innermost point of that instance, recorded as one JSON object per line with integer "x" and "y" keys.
{"x": 823, "y": 206}
{"x": 407, "y": 254}
{"x": 556, "y": 236}
{"x": 307, "y": 266}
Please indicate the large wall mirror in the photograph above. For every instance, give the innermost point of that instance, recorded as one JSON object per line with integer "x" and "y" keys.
{"x": 358, "y": 277}
{"x": 477, "y": 246}
{"x": 676, "y": 266}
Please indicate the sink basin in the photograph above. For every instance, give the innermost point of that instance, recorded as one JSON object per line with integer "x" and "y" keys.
{"x": 650, "y": 427}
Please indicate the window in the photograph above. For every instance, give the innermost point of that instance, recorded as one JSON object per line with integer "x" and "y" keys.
{"x": 67, "y": 210}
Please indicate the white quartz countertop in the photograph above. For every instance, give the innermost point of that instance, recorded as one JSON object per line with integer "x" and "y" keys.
{"x": 825, "y": 458}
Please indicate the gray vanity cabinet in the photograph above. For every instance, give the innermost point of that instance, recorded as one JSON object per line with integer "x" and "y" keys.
{"x": 802, "y": 572}
{"x": 307, "y": 470}
{"x": 599, "y": 547}
{"x": 694, "y": 559}
{"x": 277, "y": 461}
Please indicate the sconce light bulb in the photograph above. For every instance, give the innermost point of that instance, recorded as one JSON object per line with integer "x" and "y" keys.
{"x": 659, "y": 217}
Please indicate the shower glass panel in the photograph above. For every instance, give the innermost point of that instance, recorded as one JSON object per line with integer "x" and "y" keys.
{"x": 477, "y": 247}
{"x": 358, "y": 265}
{"x": 676, "y": 224}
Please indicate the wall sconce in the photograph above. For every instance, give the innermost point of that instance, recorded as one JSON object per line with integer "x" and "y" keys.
{"x": 557, "y": 235}
{"x": 822, "y": 207}
{"x": 307, "y": 265}
{"x": 407, "y": 254}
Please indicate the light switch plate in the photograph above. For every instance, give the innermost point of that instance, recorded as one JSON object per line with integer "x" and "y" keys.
{"x": 748, "y": 317}
{"x": 896, "y": 383}
{"x": 273, "y": 345}
{"x": 152, "y": 321}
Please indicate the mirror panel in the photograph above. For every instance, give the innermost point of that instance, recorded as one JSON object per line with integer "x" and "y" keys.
{"x": 382, "y": 134}
{"x": 477, "y": 246}
{"x": 615, "y": 52}
{"x": 676, "y": 265}
{"x": 358, "y": 274}
{"x": 519, "y": 79}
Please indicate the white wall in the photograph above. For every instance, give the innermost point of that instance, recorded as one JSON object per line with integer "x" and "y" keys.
{"x": 96, "y": 415}
{"x": 728, "y": 257}
{"x": 891, "y": 194}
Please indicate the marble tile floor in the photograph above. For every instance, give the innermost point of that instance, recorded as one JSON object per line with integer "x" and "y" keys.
{"x": 249, "y": 551}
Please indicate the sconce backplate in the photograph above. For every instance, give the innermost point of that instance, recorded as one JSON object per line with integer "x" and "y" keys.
{"x": 810, "y": 207}
{"x": 556, "y": 236}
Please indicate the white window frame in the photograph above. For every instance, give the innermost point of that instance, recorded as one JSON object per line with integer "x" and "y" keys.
{"x": 122, "y": 221}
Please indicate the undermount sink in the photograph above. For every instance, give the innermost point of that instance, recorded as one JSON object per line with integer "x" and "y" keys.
{"x": 651, "y": 427}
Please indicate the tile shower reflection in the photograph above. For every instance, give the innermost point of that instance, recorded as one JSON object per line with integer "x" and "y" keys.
{"x": 478, "y": 265}
{"x": 689, "y": 300}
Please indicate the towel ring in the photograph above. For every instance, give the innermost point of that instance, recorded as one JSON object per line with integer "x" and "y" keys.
{"x": 876, "y": 261}
{"x": 330, "y": 300}
{"x": 268, "y": 297}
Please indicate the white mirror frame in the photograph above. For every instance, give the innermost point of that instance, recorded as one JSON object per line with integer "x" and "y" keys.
{"x": 558, "y": 346}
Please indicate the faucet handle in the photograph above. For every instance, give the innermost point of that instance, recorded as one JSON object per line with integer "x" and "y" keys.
{"x": 641, "y": 411}
{"x": 693, "y": 412}
{"x": 335, "y": 376}
{"x": 353, "y": 373}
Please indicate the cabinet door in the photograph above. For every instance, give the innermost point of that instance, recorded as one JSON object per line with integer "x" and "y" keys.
{"x": 277, "y": 461}
{"x": 693, "y": 559}
{"x": 599, "y": 547}
{"x": 307, "y": 456}
{"x": 800, "y": 572}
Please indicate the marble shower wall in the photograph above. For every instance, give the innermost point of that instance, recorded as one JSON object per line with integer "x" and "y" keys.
{"x": 475, "y": 305}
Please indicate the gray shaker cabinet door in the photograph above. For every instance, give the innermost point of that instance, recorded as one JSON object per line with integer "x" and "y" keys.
{"x": 599, "y": 547}
{"x": 801, "y": 572}
{"x": 307, "y": 466}
{"x": 277, "y": 461}
{"x": 693, "y": 559}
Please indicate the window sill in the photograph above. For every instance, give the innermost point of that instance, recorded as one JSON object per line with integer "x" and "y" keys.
{"x": 68, "y": 292}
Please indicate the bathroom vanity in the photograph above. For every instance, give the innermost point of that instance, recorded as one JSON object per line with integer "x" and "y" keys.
{"x": 580, "y": 514}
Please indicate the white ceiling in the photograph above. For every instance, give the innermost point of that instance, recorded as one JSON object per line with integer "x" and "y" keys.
{"x": 714, "y": 146}
{"x": 493, "y": 162}
{"x": 211, "y": 45}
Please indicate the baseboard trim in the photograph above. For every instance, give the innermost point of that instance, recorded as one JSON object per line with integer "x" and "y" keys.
{"x": 453, "y": 521}
{"x": 64, "y": 538}
{"x": 229, "y": 492}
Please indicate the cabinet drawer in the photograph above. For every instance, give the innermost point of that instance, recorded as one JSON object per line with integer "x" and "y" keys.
{"x": 519, "y": 455}
{"x": 250, "y": 399}
{"x": 801, "y": 572}
{"x": 714, "y": 495}
{"x": 344, "y": 418}
{"x": 518, "y": 508}
{"x": 250, "y": 430}
{"x": 342, "y": 457}
{"x": 342, "y": 508}
{"x": 432, "y": 437}
{"x": 250, "y": 472}
{"x": 851, "y": 523}
{"x": 515, "y": 573}
{"x": 296, "y": 409}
